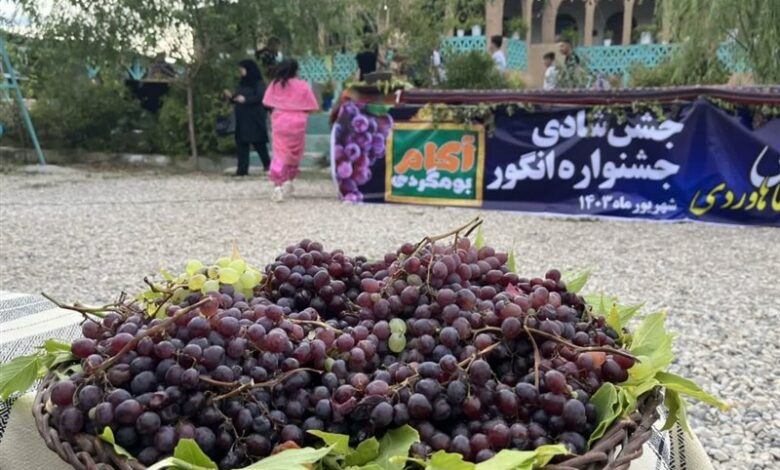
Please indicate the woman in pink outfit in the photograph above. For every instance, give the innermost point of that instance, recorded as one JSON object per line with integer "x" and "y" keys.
{"x": 291, "y": 99}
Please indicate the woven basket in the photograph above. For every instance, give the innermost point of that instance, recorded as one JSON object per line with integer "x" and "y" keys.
{"x": 621, "y": 443}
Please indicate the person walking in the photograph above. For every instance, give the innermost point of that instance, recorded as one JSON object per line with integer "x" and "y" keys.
{"x": 250, "y": 116}
{"x": 268, "y": 57}
{"x": 291, "y": 99}
{"x": 496, "y": 53}
{"x": 550, "y": 71}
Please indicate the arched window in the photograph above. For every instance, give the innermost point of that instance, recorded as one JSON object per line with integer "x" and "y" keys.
{"x": 613, "y": 28}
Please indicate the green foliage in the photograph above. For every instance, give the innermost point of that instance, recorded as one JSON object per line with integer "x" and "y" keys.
{"x": 108, "y": 436}
{"x": 700, "y": 26}
{"x": 517, "y": 25}
{"x": 473, "y": 70}
{"x": 77, "y": 113}
{"x": 19, "y": 374}
{"x": 689, "y": 65}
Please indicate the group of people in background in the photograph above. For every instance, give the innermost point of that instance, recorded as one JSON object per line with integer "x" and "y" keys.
{"x": 289, "y": 99}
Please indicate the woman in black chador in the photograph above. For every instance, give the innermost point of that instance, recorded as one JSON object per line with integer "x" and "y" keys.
{"x": 250, "y": 116}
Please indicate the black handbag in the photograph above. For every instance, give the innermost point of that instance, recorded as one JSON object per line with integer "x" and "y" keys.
{"x": 226, "y": 124}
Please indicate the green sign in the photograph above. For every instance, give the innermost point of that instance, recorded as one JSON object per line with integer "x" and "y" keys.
{"x": 435, "y": 164}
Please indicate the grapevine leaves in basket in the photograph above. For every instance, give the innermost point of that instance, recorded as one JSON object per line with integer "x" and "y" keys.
{"x": 108, "y": 436}
{"x": 652, "y": 345}
{"x": 188, "y": 456}
{"x": 505, "y": 460}
{"x": 19, "y": 374}
{"x": 369, "y": 454}
{"x": 575, "y": 281}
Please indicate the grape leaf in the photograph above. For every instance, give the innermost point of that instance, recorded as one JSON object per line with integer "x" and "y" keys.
{"x": 339, "y": 442}
{"x": 188, "y": 451}
{"x": 56, "y": 353}
{"x": 649, "y": 335}
{"x": 395, "y": 443}
{"x": 365, "y": 452}
{"x": 682, "y": 385}
{"x": 173, "y": 462}
{"x": 511, "y": 263}
{"x": 290, "y": 459}
{"x": 576, "y": 281}
{"x": 608, "y": 409}
{"x": 442, "y": 460}
{"x": 514, "y": 459}
{"x": 479, "y": 242}
{"x": 19, "y": 374}
{"x": 108, "y": 436}
{"x": 676, "y": 409}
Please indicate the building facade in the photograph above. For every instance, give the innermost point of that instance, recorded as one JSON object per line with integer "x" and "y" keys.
{"x": 592, "y": 22}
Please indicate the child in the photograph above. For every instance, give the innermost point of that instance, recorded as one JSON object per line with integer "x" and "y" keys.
{"x": 550, "y": 72}
{"x": 291, "y": 100}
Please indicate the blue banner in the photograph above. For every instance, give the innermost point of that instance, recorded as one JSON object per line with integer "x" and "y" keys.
{"x": 696, "y": 162}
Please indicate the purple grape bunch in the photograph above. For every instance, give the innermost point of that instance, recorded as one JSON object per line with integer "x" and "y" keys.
{"x": 444, "y": 338}
{"x": 360, "y": 140}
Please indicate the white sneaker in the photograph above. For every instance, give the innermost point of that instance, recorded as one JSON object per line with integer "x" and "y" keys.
{"x": 278, "y": 194}
{"x": 288, "y": 188}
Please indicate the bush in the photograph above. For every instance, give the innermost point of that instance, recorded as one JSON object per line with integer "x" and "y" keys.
{"x": 79, "y": 113}
{"x": 472, "y": 70}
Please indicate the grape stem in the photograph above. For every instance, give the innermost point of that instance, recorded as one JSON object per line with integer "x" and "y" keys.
{"x": 251, "y": 385}
{"x": 99, "y": 312}
{"x": 162, "y": 326}
{"x": 315, "y": 322}
{"x": 605, "y": 349}
{"x": 537, "y": 354}
{"x": 157, "y": 288}
{"x": 430, "y": 240}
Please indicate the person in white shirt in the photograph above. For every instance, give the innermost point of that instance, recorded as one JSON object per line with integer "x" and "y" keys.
{"x": 498, "y": 55}
{"x": 438, "y": 67}
{"x": 550, "y": 71}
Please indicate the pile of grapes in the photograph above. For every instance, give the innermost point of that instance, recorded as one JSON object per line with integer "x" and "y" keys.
{"x": 440, "y": 336}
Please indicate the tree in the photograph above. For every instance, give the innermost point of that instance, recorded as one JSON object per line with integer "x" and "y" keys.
{"x": 198, "y": 34}
{"x": 701, "y": 26}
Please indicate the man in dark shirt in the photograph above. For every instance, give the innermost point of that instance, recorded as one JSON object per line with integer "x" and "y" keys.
{"x": 267, "y": 57}
{"x": 366, "y": 61}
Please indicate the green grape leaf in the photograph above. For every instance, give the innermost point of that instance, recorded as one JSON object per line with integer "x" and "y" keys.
{"x": 53, "y": 346}
{"x": 167, "y": 275}
{"x": 290, "y": 459}
{"x": 395, "y": 443}
{"x": 56, "y": 353}
{"x": 479, "y": 242}
{"x": 339, "y": 442}
{"x": 511, "y": 262}
{"x": 365, "y": 452}
{"x": 514, "y": 459}
{"x": 607, "y": 405}
{"x": 108, "y": 436}
{"x": 19, "y": 374}
{"x": 684, "y": 386}
{"x": 649, "y": 335}
{"x": 187, "y": 450}
{"x": 676, "y": 409}
{"x": 652, "y": 345}
{"x": 370, "y": 466}
{"x": 576, "y": 281}
{"x": 544, "y": 454}
{"x": 442, "y": 460}
{"x": 173, "y": 462}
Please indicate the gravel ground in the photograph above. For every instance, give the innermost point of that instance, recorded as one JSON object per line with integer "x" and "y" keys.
{"x": 86, "y": 235}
